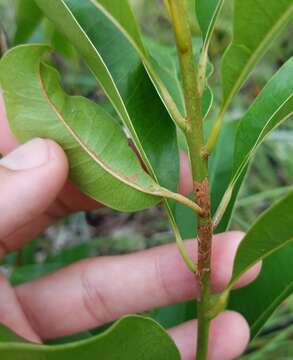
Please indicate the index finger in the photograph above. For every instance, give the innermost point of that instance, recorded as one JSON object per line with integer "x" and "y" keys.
{"x": 100, "y": 290}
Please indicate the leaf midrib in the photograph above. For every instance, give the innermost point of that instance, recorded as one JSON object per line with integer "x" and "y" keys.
{"x": 91, "y": 154}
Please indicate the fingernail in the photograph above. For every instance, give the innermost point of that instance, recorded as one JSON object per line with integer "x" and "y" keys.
{"x": 28, "y": 156}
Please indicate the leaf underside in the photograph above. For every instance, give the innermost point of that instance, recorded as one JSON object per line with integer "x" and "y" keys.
{"x": 119, "y": 70}
{"x": 101, "y": 162}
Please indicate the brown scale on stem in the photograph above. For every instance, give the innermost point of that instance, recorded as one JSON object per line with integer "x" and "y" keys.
{"x": 205, "y": 227}
{"x": 202, "y": 196}
{"x": 204, "y": 247}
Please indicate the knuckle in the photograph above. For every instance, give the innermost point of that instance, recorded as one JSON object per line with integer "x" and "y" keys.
{"x": 163, "y": 281}
{"x": 94, "y": 301}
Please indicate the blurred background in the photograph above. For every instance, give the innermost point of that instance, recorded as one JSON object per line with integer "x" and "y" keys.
{"x": 106, "y": 231}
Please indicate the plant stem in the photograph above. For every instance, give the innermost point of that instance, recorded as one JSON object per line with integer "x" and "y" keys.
{"x": 199, "y": 164}
{"x": 202, "y": 332}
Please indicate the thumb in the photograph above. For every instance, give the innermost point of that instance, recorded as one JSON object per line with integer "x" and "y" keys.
{"x": 30, "y": 179}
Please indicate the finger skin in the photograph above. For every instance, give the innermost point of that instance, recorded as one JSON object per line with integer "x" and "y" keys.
{"x": 69, "y": 200}
{"x": 100, "y": 290}
{"x": 26, "y": 194}
{"x": 229, "y": 336}
{"x": 223, "y": 345}
{"x": 11, "y": 313}
{"x": 185, "y": 178}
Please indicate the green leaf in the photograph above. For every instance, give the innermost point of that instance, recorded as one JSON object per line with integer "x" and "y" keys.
{"x": 207, "y": 12}
{"x": 121, "y": 74}
{"x": 273, "y": 105}
{"x": 119, "y": 69}
{"x": 269, "y": 239}
{"x": 121, "y": 24}
{"x": 101, "y": 162}
{"x": 256, "y": 25}
{"x": 132, "y": 337}
{"x": 257, "y": 301}
{"x": 120, "y": 13}
{"x": 165, "y": 62}
{"x": 61, "y": 16}
{"x": 28, "y": 17}
{"x": 271, "y": 231}
{"x": 60, "y": 43}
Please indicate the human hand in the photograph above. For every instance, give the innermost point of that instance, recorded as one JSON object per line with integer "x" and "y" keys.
{"x": 34, "y": 192}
